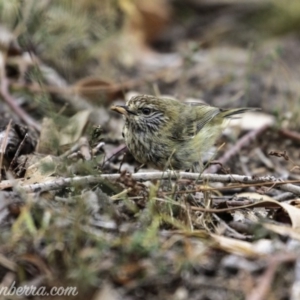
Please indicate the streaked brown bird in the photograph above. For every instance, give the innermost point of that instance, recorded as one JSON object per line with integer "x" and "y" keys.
{"x": 166, "y": 133}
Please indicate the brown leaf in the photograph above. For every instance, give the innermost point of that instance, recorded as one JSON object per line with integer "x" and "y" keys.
{"x": 146, "y": 19}
{"x": 98, "y": 91}
{"x": 128, "y": 272}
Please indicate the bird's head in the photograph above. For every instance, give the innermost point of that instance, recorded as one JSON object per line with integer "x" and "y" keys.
{"x": 145, "y": 113}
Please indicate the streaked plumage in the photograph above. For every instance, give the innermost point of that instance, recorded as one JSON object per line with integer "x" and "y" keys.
{"x": 170, "y": 134}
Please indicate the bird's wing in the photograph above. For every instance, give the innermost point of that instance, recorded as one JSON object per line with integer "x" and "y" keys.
{"x": 205, "y": 115}
{"x": 194, "y": 119}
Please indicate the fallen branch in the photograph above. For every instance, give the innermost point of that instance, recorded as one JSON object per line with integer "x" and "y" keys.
{"x": 230, "y": 178}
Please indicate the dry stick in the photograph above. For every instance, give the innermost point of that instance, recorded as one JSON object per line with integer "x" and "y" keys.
{"x": 228, "y": 209}
{"x": 232, "y": 231}
{"x": 263, "y": 288}
{"x": 85, "y": 148}
{"x": 70, "y": 151}
{"x": 242, "y": 142}
{"x": 97, "y": 148}
{"x": 229, "y": 178}
{"x": 120, "y": 149}
{"x": 4, "y": 145}
{"x": 18, "y": 151}
{"x": 11, "y": 101}
{"x": 293, "y": 135}
{"x": 283, "y": 197}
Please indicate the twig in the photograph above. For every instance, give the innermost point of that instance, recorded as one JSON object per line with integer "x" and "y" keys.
{"x": 85, "y": 148}
{"x": 4, "y": 145}
{"x": 283, "y": 197}
{"x": 293, "y": 135}
{"x": 116, "y": 152}
{"x": 70, "y": 151}
{"x": 11, "y": 101}
{"x": 18, "y": 151}
{"x": 233, "y": 232}
{"x": 83, "y": 153}
{"x": 97, "y": 148}
{"x": 242, "y": 142}
{"x": 63, "y": 182}
{"x": 265, "y": 282}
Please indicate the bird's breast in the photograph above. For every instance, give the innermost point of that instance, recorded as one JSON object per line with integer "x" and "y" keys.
{"x": 146, "y": 147}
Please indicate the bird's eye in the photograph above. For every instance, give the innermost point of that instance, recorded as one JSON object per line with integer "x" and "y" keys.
{"x": 146, "y": 111}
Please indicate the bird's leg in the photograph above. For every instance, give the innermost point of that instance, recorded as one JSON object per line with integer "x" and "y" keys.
{"x": 122, "y": 161}
{"x": 197, "y": 167}
{"x": 136, "y": 169}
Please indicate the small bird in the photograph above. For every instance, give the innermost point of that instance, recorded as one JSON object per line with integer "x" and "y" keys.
{"x": 166, "y": 133}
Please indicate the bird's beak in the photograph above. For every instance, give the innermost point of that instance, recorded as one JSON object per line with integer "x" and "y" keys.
{"x": 122, "y": 109}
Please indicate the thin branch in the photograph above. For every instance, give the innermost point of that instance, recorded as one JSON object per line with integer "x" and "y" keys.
{"x": 242, "y": 142}
{"x": 293, "y": 135}
{"x": 11, "y": 101}
{"x": 232, "y": 231}
{"x": 97, "y": 148}
{"x": 74, "y": 148}
{"x": 85, "y": 180}
{"x": 3, "y": 146}
{"x": 284, "y": 197}
{"x": 85, "y": 148}
{"x": 18, "y": 151}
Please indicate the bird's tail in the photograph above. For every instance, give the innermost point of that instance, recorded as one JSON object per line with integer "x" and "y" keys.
{"x": 228, "y": 113}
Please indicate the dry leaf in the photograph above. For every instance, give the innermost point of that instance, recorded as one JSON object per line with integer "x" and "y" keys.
{"x": 49, "y": 137}
{"x": 292, "y": 211}
{"x": 294, "y": 214}
{"x": 235, "y": 246}
{"x": 40, "y": 171}
{"x": 98, "y": 91}
{"x": 73, "y": 131}
{"x": 284, "y": 230}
